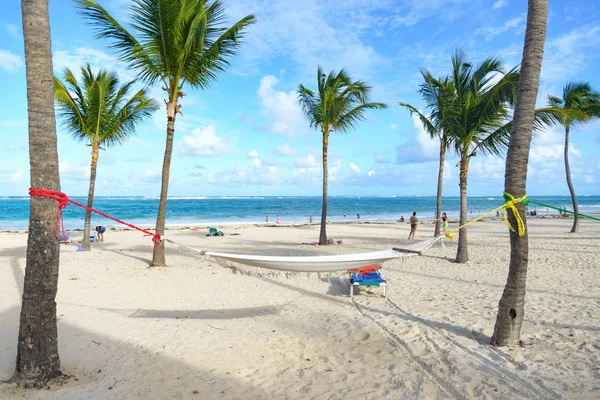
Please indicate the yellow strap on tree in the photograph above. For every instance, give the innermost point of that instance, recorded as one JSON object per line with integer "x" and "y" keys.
{"x": 510, "y": 203}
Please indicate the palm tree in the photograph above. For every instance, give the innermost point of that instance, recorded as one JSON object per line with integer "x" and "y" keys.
{"x": 178, "y": 42}
{"x": 478, "y": 121}
{"x": 98, "y": 111}
{"x": 438, "y": 95}
{"x": 507, "y": 330}
{"x": 579, "y": 104}
{"x": 337, "y": 107}
{"x": 37, "y": 348}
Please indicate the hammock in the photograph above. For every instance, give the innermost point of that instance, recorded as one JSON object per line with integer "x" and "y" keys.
{"x": 248, "y": 264}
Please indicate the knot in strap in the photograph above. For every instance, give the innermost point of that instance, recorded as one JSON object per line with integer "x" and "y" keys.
{"x": 510, "y": 204}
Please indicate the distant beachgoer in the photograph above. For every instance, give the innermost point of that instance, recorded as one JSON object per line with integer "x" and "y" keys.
{"x": 357, "y": 216}
{"x": 100, "y": 233}
{"x": 267, "y": 219}
{"x": 445, "y": 222}
{"x": 497, "y": 213}
{"x": 277, "y": 220}
{"x": 344, "y": 215}
{"x": 413, "y": 225}
{"x": 310, "y": 220}
{"x": 401, "y": 218}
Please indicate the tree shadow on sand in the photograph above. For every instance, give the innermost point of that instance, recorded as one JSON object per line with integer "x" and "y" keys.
{"x": 102, "y": 367}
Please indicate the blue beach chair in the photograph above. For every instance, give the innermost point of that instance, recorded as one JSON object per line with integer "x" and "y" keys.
{"x": 368, "y": 279}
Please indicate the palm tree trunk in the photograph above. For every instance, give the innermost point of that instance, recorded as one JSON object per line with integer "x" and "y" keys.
{"x": 90, "y": 201}
{"x": 462, "y": 255}
{"x": 507, "y": 330}
{"x": 37, "y": 347}
{"x": 158, "y": 256}
{"x": 575, "y": 227}
{"x": 323, "y": 233}
{"x": 438, "y": 207}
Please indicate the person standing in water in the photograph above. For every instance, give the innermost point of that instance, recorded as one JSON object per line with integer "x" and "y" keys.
{"x": 267, "y": 219}
{"x": 277, "y": 220}
{"x": 413, "y": 225}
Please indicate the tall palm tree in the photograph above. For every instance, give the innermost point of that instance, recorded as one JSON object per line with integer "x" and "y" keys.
{"x": 100, "y": 112}
{"x": 579, "y": 104}
{"x": 178, "y": 42}
{"x": 478, "y": 122}
{"x": 507, "y": 330}
{"x": 37, "y": 348}
{"x": 438, "y": 95}
{"x": 339, "y": 104}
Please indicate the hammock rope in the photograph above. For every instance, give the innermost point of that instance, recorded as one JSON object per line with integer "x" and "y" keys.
{"x": 63, "y": 200}
{"x": 510, "y": 203}
{"x": 562, "y": 209}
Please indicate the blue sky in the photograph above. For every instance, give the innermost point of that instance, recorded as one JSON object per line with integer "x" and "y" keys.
{"x": 245, "y": 135}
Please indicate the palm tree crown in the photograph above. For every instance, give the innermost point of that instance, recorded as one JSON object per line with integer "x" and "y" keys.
{"x": 339, "y": 103}
{"x": 178, "y": 41}
{"x": 579, "y": 104}
{"x": 98, "y": 109}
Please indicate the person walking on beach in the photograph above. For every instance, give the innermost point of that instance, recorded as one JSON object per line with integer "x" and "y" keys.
{"x": 413, "y": 225}
{"x": 445, "y": 222}
{"x": 310, "y": 220}
{"x": 267, "y": 219}
{"x": 357, "y": 216}
{"x": 100, "y": 233}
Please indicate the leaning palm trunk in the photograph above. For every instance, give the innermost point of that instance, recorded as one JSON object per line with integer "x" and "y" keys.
{"x": 438, "y": 206}
{"x": 323, "y": 233}
{"x": 90, "y": 201}
{"x": 37, "y": 346}
{"x": 512, "y": 303}
{"x": 575, "y": 227}
{"x": 158, "y": 256}
{"x": 462, "y": 255}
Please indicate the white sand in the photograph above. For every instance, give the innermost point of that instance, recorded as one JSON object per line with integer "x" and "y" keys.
{"x": 194, "y": 330}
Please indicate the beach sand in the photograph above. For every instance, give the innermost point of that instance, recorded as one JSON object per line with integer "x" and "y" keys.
{"x": 195, "y": 330}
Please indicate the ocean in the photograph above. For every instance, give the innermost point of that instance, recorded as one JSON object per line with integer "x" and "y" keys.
{"x": 207, "y": 211}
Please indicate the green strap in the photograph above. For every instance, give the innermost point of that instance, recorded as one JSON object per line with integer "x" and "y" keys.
{"x": 562, "y": 209}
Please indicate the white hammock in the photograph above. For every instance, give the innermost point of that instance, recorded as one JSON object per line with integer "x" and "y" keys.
{"x": 316, "y": 264}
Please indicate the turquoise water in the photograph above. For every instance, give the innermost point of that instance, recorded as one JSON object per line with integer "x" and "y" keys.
{"x": 14, "y": 211}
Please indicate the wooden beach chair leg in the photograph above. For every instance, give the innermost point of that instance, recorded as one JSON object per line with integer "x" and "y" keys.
{"x": 384, "y": 290}
{"x": 351, "y": 290}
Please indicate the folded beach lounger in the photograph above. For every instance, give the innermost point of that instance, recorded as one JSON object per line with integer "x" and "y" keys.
{"x": 214, "y": 232}
{"x": 369, "y": 279}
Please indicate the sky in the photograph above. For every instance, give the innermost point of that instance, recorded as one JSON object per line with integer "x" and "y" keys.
{"x": 246, "y": 135}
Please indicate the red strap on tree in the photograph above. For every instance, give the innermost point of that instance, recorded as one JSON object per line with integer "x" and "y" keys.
{"x": 64, "y": 200}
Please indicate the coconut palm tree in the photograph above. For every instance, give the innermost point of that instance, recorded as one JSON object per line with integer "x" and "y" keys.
{"x": 37, "y": 348}
{"x": 478, "y": 121}
{"x": 100, "y": 112}
{"x": 177, "y": 43}
{"x": 510, "y": 310}
{"x": 337, "y": 106}
{"x": 438, "y": 95}
{"x": 579, "y": 104}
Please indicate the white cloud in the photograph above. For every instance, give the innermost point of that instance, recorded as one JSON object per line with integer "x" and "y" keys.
{"x": 578, "y": 47}
{"x": 516, "y": 23}
{"x": 77, "y": 58}
{"x": 253, "y": 159}
{"x": 285, "y": 150}
{"x": 73, "y": 172}
{"x": 13, "y": 30}
{"x": 9, "y": 61}
{"x": 371, "y": 173}
{"x": 310, "y": 161}
{"x": 152, "y": 175}
{"x": 203, "y": 142}
{"x": 138, "y": 142}
{"x": 420, "y": 148}
{"x": 279, "y": 109}
{"x": 14, "y": 176}
{"x": 394, "y": 126}
{"x": 500, "y": 4}
{"x": 354, "y": 167}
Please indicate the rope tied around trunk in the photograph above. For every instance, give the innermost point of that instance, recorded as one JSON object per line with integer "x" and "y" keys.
{"x": 63, "y": 200}
{"x": 510, "y": 204}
